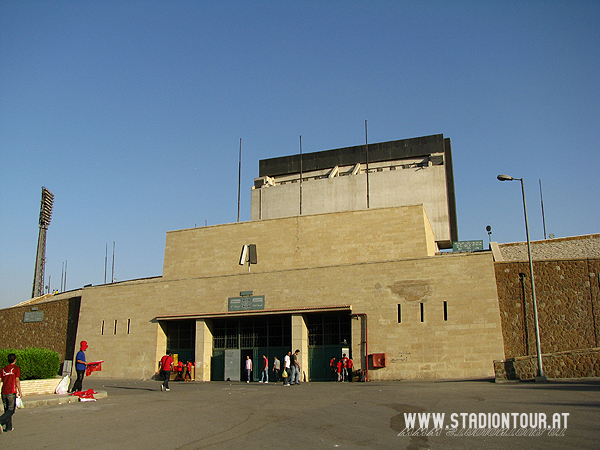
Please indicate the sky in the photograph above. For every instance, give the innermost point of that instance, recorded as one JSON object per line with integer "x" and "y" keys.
{"x": 131, "y": 114}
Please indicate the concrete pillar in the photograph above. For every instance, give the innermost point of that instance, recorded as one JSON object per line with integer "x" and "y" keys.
{"x": 358, "y": 339}
{"x": 300, "y": 342}
{"x": 204, "y": 343}
{"x": 161, "y": 346}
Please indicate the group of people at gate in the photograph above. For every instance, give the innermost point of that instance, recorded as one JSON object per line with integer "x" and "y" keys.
{"x": 342, "y": 369}
{"x": 289, "y": 372}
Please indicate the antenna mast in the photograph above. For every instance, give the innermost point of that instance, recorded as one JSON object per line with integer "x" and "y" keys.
{"x": 300, "y": 174}
{"x": 239, "y": 179}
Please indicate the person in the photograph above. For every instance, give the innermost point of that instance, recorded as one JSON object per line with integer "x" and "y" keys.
{"x": 339, "y": 370}
{"x": 296, "y": 363}
{"x": 265, "y": 372}
{"x": 276, "y": 368}
{"x": 350, "y": 365}
{"x": 344, "y": 367}
{"x": 11, "y": 386}
{"x": 179, "y": 369}
{"x": 287, "y": 367}
{"x": 80, "y": 366}
{"x": 333, "y": 369}
{"x": 248, "y": 369}
{"x": 188, "y": 373}
{"x": 165, "y": 366}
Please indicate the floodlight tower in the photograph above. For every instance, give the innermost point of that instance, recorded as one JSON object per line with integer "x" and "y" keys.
{"x": 40, "y": 260}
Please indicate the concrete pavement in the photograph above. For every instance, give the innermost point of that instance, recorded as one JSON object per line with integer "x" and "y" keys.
{"x": 33, "y": 401}
{"x": 137, "y": 415}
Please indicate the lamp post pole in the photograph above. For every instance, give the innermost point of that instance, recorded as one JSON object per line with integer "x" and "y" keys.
{"x": 540, "y": 371}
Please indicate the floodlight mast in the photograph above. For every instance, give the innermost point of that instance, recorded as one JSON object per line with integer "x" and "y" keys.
{"x": 40, "y": 260}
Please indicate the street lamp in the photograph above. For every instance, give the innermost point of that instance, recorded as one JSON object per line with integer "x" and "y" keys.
{"x": 540, "y": 372}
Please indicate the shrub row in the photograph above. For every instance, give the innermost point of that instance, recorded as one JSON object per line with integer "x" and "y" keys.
{"x": 35, "y": 363}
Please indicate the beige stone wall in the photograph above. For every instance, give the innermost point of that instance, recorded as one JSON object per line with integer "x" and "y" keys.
{"x": 464, "y": 346}
{"x": 371, "y": 260}
{"x": 300, "y": 242}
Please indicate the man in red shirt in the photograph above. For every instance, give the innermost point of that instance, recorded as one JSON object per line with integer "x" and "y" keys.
{"x": 11, "y": 385}
{"x": 165, "y": 365}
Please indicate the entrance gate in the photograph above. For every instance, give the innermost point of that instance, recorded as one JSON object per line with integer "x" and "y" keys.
{"x": 328, "y": 334}
{"x": 253, "y": 336}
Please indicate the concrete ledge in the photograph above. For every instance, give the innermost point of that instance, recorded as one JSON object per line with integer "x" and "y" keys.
{"x": 580, "y": 363}
{"x": 43, "y": 386}
{"x": 32, "y": 401}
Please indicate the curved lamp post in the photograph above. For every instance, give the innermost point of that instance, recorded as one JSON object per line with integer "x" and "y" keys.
{"x": 540, "y": 371}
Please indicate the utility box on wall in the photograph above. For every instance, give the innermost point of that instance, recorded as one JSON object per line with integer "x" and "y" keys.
{"x": 378, "y": 360}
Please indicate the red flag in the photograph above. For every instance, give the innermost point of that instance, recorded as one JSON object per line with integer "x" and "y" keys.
{"x": 95, "y": 366}
{"x": 84, "y": 394}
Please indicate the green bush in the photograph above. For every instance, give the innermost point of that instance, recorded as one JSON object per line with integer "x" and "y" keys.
{"x": 35, "y": 363}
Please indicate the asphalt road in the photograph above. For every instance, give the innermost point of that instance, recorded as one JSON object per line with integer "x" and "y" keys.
{"x": 137, "y": 415}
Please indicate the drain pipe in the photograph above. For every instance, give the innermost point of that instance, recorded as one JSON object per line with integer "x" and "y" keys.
{"x": 365, "y": 342}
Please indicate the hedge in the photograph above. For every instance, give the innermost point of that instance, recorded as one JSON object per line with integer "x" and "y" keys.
{"x": 35, "y": 363}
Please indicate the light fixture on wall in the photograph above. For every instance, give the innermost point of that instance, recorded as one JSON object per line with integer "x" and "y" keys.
{"x": 248, "y": 255}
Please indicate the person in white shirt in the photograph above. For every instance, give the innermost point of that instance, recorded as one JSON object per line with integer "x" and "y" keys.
{"x": 287, "y": 368}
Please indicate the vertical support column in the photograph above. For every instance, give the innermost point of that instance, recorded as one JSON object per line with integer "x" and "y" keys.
{"x": 161, "y": 345}
{"x": 300, "y": 342}
{"x": 357, "y": 345}
{"x": 204, "y": 343}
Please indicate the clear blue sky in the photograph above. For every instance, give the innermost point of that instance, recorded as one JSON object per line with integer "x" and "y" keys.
{"x": 131, "y": 112}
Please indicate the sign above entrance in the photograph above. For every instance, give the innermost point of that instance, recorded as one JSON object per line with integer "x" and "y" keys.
{"x": 249, "y": 303}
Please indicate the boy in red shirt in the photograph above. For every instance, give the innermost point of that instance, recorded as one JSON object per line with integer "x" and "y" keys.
{"x": 165, "y": 365}
{"x": 11, "y": 385}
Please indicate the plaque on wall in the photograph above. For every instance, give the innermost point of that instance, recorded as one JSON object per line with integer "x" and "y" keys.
{"x": 33, "y": 316}
{"x": 254, "y": 302}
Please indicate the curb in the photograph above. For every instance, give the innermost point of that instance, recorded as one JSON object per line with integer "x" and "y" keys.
{"x": 33, "y": 401}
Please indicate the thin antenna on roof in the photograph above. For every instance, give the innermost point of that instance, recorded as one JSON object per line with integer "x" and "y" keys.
{"x": 300, "y": 174}
{"x": 105, "y": 261}
{"x": 367, "y": 152}
{"x": 112, "y": 278}
{"x": 239, "y": 179}
{"x": 543, "y": 216}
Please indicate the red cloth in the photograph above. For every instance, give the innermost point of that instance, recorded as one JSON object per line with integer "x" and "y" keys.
{"x": 84, "y": 394}
{"x": 339, "y": 367}
{"x": 265, "y": 363}
{"x": 95, "y": 366}
{"x": 350, "y": 364}
{"x": 9, "y": 375}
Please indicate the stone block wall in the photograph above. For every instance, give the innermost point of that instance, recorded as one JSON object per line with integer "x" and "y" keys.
{"x": 568, "y": 298}
{"x": 568, "y": 364}
{"x": 580, "y": 247}
{"x": 56, "y": 331}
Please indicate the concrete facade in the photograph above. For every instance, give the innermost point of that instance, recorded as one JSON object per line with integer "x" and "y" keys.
{"x": 401, "y": 173}
{"x": 433, "y": 316}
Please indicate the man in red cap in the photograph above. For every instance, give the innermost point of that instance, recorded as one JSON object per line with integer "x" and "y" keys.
{"x": 80, "y": 366}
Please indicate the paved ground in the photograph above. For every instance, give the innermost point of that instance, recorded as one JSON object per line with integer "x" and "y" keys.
{"x": 137, "y": 415}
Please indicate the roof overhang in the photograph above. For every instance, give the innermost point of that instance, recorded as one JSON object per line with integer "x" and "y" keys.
{"x": 257, "y": 312}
